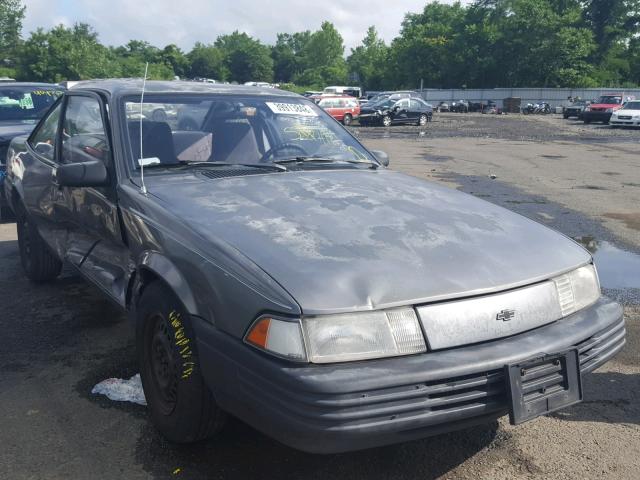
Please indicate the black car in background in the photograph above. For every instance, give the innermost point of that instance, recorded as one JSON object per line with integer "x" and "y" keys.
{"x": 461, "y": 106}
{"x": 576, "y": 109}
{"x": 21, "y": 106}
{"x": 391, "y": 111}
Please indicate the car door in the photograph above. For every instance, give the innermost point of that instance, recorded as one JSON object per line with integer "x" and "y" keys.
{"x": 95, "y": 244}
{"x": 416, "y": 108}
{"x": 32, "y": 173}
{"x": 402, "y": 111}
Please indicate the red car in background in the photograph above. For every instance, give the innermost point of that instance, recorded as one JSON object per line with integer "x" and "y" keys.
{"x": 342, "y": 108}
{"x": 601, "y": 109}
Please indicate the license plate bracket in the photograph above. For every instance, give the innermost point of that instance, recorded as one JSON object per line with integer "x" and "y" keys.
{"x": 542, "y": 385}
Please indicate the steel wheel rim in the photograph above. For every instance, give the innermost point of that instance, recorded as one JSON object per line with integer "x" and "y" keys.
{"x": 162, "y": 365}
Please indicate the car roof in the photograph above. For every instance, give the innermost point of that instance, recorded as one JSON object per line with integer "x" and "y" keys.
{"x": 132, "y": 86}
{"x": 31, "y": 84}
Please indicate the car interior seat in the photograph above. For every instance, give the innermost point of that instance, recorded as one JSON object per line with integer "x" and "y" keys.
{"x": 234, "y": 140}
{"x": 157, "y": 141}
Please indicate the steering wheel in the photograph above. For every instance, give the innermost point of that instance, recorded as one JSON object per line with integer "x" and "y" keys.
{"x": 269, "y": 153}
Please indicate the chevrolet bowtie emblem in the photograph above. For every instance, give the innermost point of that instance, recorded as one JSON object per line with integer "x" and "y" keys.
{"x": 506, "y": 315}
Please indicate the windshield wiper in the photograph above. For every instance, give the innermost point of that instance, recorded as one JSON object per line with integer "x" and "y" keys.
{"x": 310, "y": 159}
{"x": 266, "y": 166}
{"x": 192, "y": 163}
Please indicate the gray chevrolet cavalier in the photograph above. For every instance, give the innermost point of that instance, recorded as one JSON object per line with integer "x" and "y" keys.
{"x": 274, "y": 269}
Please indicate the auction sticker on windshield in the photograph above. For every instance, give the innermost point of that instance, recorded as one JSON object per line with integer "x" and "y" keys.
{"x": 291, "y": 109}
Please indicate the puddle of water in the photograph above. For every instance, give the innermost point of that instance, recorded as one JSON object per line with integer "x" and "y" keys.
{"x": 617, "y": 269}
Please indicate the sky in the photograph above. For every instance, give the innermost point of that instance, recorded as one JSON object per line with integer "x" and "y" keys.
{"x": 184, "y": 22}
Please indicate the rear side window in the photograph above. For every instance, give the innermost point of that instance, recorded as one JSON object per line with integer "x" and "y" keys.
{"x": 43, "y": 141}
{"x": 83, "y": 133}
{"x": 416, "y": 105}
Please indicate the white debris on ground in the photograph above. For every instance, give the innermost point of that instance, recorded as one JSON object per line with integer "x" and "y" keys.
{"x": 121, "y": 390}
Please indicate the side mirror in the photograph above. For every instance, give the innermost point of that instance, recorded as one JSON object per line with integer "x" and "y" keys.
{"x": 84, "y": 174}
{"x": 381, "y": 157}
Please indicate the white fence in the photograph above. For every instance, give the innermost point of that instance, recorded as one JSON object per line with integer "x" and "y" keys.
{"x": 553, "y": 96}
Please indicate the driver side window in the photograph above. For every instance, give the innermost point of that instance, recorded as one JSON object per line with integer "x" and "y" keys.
{"x": 43, "y": 140}
{"x": 83, "y": 133}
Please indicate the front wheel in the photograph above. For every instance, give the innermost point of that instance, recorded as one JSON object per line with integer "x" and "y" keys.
{"x": 386, "y": 121}
{"x": 346, "y": 121}
{"x": 423, "y": 120}
{"x": 182, "y": 406}
{"x": 38, "y": 262}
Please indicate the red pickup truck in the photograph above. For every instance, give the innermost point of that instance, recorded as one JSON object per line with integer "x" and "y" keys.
{"x": 601, "y": 109}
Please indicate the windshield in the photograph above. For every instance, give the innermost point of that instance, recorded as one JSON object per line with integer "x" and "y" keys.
{"x": 610, "y": 99}
{"x": 181, "y": 128}
{"x": 631, "y": 106}
{"x": 19, "y": 103}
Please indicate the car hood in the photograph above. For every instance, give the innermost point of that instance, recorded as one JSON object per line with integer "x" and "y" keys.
{"x": 10, "y": 129}
{"x": 346, "y": 240}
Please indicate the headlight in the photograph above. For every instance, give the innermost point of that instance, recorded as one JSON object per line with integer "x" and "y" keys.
{"x": 577, "y": 289}
{"x": 340, "y": 338}
{"x": 609, "y": 110}
{"x": 361, "y": 336}
{"x": 588, "y": 109}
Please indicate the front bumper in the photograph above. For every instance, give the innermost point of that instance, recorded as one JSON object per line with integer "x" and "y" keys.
{"x": 592, "y": 116}
{"x": 569, "y": 112}
{"x": 625, "y": 122}
{"x": 351, "y": 406}
{"x": 369, "y": 119}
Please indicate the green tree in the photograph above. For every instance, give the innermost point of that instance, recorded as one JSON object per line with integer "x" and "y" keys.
{"x": 428, "y": 47}
{"x": 615, "y": 25}
{"x": 287, "y": 54}
{"x": 207, "y": 61}
{"x": 175, "y": 57}
{"x": 11, "y": 17}
{"x": 368, "y": 61}
{"x": 66, "y": 54}
{"x": 245, "y": 58}
{"x": 322, "y": 58}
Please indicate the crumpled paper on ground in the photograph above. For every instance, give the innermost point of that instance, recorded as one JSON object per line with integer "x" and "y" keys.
{"x": 121, "y": 390}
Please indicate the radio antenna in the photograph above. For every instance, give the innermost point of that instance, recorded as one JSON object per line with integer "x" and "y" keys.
{"x": 143, "y": 188}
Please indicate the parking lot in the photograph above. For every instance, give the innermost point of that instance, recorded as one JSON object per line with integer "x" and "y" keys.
{"x": 59, "y": 340}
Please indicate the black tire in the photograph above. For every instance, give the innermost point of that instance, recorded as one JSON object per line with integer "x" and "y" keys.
{"x": 346, "y": 121}
{"x": 422, "y": 121}
{"x": 6, "y": 215}
{"x": 587, "y": 121}
{"x": 38, "y": 262}
{"x": 386, "y": 121}
{"x": 182, "y": 406}
{"x": 566, "y": 117}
